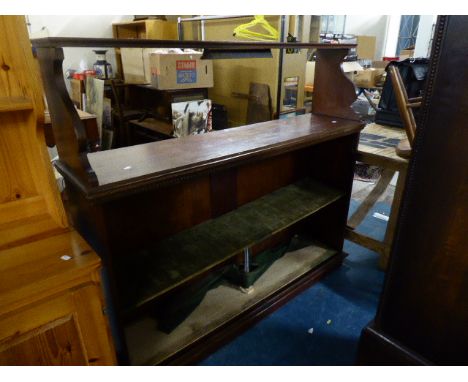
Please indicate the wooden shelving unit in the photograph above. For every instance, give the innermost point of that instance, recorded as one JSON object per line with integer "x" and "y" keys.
{"x": 51, "y": 307}
{"x": 15, "y": 104}
{"x": 165, "y": 214}
{"x": 142, "y": 29}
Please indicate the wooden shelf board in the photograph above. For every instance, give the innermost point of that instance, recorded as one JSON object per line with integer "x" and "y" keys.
{"x": 225, "y": 306}
{"x": 185, "y": 255}
{"x": 27, "y": 228}
{"x": 155, "y": 125}
{"x": 37, "y": 267}
{"x": 15, "y": 104}
{"x": 55, "y": 42}
{"x": 129, "y": 23}
{"x": 130, "y": 168}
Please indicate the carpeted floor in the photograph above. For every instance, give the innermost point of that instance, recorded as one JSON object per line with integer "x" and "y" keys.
{"x": 333, "y": 310}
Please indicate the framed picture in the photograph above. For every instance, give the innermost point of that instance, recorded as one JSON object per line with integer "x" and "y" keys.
{"x": 191, "y": 118}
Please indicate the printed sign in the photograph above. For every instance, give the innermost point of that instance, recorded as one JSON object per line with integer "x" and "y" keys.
{"x": 186, "y": 71}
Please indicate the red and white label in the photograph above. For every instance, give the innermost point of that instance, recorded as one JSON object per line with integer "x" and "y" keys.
{"x": 186, "y": 64}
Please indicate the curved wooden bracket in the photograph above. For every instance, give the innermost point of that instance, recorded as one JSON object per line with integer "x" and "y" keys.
{"x": 69, "y": 130}
{"x": 333, "y": 91}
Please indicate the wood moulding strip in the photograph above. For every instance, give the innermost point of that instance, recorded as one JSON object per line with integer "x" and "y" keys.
{"x": 8, "y": 104}
{"x": 22, "y": 209}
{"x": 188, "y": 254}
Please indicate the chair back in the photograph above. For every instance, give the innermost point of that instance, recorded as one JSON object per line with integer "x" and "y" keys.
{"x": 405, "y": 105}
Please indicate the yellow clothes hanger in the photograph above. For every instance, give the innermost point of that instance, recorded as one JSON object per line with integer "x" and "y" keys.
{"x": 243, "y": 30}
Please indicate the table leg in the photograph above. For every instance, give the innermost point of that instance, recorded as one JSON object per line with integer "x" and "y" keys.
{"x": 369, "y": 100}
{"x": 364, "y": 208}
{"x": 392, "y": 222}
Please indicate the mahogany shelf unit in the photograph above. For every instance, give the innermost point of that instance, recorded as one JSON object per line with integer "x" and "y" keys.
{"x": 222, "y": 238}
{"x": 162, "y": 215}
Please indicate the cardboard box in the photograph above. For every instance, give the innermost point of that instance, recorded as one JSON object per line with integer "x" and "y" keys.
{"x": 180, "y": 71}
{"x": 146, "y": 29}
{"x": 406, "y": 53}
{"x": 366, "y": 47}
{"x": 350, "y": 69}
{"x": 367, "y": 78}
{"x": 77, "y": 91}
{"x": 310, "y": 72}
{"x": 136, "y": 65}
{"x": 380, "y": 64}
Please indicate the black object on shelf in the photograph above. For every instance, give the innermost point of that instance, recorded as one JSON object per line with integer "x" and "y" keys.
{"x": 413, "y": 72}
{"x": 219, "y": 117}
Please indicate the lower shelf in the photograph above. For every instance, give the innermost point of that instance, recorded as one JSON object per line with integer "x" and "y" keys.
{"x": 222, "y": 305}
{"x": 190, "y": 253}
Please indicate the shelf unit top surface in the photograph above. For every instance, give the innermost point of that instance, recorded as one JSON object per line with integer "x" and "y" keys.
{"x": 161, "y": 160}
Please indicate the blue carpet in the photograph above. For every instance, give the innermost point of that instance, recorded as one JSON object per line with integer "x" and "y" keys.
{"x": 337, "y": 308}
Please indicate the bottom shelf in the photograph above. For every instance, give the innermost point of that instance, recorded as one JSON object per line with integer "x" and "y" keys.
{"x": 221, "y": 305}
{"x": 174, "y": 261}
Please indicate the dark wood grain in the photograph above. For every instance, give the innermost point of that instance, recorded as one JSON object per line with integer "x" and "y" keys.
{"x": 206, "y": 245}
{"x": 90, "y": 125}
{"x": 56, "y": 42}
{"x": 333, "y": 91}
{"x": 148, "y": 195}
{"x": 123, "y": 169}
{"x": 69, "y": 130}
{"x": 70, "y": 133}
{"x": 223, "y": 192}
{"x": 424, "y": 305}
{"x": 377, "y": 349}
{"x": 123, "y": 226}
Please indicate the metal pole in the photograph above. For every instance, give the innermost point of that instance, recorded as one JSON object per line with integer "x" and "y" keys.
{"x": 180, "y": 31}
{"x": 202, "y": 24}
{"x": 247, "y": 260}
{"x": 202, "y": 20}
{"x": 217, "y": 17}
{"x": 280, "y": 69}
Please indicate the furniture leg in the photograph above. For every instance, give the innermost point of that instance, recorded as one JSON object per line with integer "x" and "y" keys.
{"x": 392, "y": 222}
{"x": 369, "y": 100}
{"x": 370, "y": 200}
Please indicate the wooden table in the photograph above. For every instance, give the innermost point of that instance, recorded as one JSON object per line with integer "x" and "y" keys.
{"x": 377, "y": 147}
{"x": 90, "y": 124}
{"x": 149, "y": 130}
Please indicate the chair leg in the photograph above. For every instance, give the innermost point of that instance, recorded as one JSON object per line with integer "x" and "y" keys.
{"x": 370, "y": 200}
{"x": 392, "y": 221}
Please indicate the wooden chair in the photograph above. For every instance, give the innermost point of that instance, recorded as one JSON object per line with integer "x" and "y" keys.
{"x": 405, "y": 107}
{"x": 390, "y": 163}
